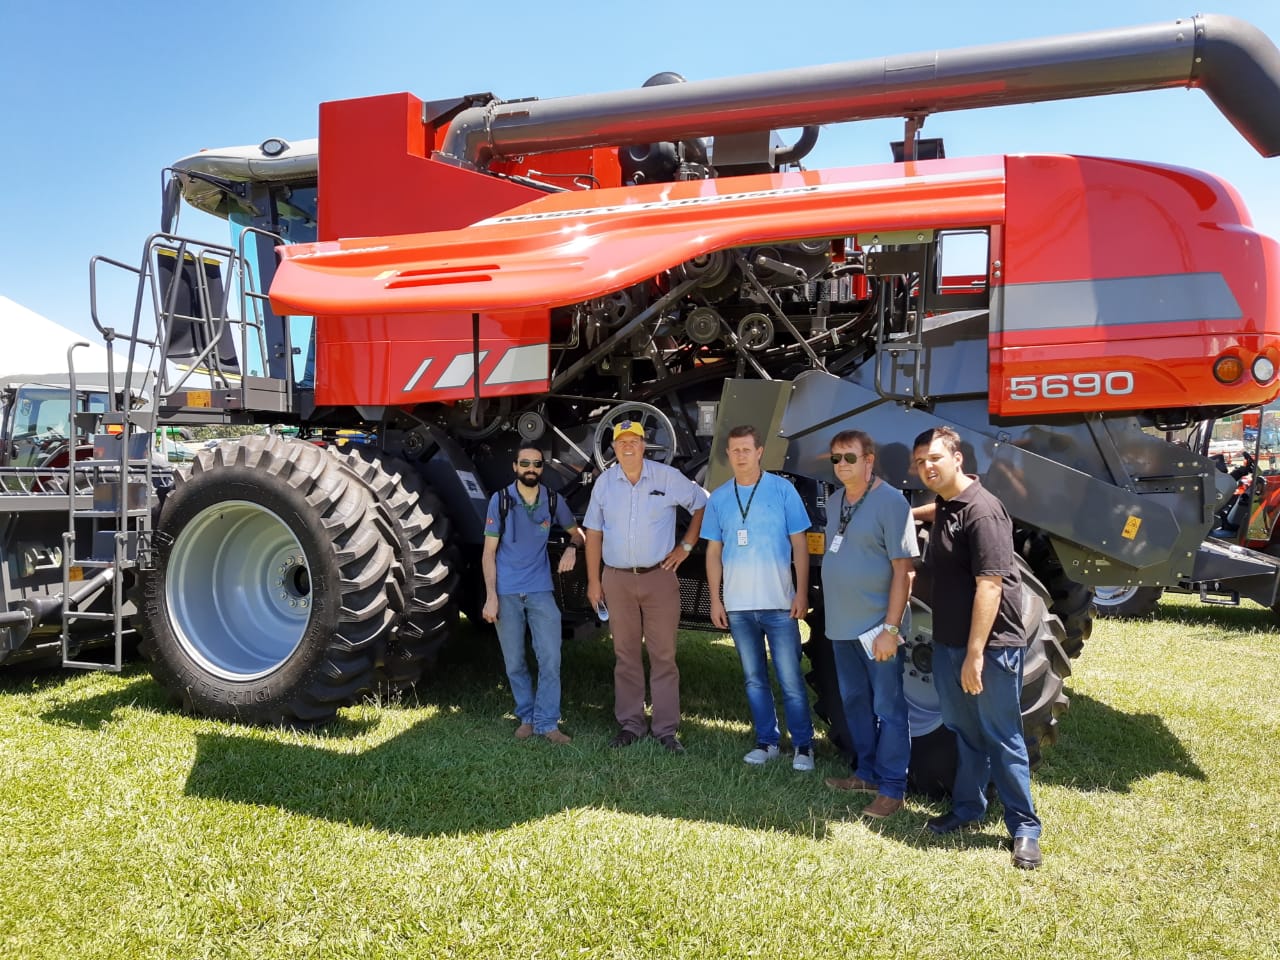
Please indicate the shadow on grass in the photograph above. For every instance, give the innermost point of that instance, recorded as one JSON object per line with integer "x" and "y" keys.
{"x": 1186, "y": 610}
{"x": 459, "y": 770}
{"x": 1105, "y": 749}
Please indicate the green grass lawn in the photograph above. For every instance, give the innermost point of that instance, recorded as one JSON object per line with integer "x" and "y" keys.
{"x": 422, "y": 829}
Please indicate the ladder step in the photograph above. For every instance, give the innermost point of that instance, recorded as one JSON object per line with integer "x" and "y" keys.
{"x": 88, "y": 615}
{"x": 98, "y": 563}
{"x": 81, "y": 464}
{"x": 112, "y": 513}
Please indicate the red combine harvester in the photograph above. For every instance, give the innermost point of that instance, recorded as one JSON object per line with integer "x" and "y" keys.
{"x": 455, "y": 277}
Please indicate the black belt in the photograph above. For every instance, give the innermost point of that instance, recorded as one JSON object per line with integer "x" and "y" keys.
{"x": 656, "y": 566}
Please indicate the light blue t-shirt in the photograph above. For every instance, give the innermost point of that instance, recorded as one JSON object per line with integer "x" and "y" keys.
{"x": 757, "y": 574}
{"x": 856, "y": 578}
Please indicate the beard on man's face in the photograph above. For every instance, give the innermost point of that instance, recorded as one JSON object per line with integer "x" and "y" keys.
{"x": 528, "y": 478}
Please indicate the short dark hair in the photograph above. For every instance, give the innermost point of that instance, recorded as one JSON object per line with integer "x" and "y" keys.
{"x": 846, "y": 437}
{"x": 531, "y": 448}
{"x": 950, "y": 439}
{"x": 745, "y": 430}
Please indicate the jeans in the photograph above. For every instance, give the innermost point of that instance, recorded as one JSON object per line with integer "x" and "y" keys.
{"x": 539, "y": 611}
{"x": 876, "y": 711}
{"x": 988, "y": 729}
{"x": 749, "y": 629}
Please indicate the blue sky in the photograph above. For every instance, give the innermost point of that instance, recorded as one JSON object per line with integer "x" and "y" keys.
{"x": 96, "y": 98}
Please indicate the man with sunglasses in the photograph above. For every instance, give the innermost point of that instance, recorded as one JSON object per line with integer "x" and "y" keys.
{"x": 631, "y": 527}
{"x": 519, "y": 592}
{"x": 867, "y": 571}
{"x": 755, "y": 531}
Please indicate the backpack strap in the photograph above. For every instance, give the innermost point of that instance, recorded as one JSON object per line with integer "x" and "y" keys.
{"x": 504, "y": 507}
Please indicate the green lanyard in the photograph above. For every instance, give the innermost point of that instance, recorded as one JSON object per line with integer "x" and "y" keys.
{"x": 747, "y": 509}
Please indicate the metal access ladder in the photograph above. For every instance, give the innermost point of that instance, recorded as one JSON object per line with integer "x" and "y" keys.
{"x": 188, "y": 287}
{"x": 110, "y": 496}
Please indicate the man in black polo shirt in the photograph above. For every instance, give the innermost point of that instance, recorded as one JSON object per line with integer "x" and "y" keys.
{"x": 978, "y": 645}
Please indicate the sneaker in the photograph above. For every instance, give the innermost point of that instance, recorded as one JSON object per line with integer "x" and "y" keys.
{"x": 557, "y": 736}
{"x": 762, "y": 754}
{"x": 803, "y": 760}
{"x": 524, "y": 731}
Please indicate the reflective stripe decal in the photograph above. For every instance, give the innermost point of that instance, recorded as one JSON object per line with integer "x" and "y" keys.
{"x": 460, "y": 370}
{"x": 520, "y": 364}
{"x": 417, "y": 375}
{"x": 523, "y": 364}
{"x": 1119, "y": 301}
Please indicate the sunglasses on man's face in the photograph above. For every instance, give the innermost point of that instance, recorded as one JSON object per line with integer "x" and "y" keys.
{"x": 536, "y": 464}
{"x": 846, "y": 457}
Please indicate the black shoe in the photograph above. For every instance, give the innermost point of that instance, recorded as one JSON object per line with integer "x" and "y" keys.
{"x": 624, "y": 738}
{"x": 1026, "y": 853}
{"x": 671, "y": 744}
{"x": 950, "y": 823}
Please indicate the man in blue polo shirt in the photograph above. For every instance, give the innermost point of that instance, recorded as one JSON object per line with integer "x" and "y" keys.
{"x": 755, "y": 531}
{"x": 518, "y": 591}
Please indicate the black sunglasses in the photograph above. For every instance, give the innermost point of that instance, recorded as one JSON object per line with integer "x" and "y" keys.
{"x": 846, "y": 457}
{"x": 536, "y": 464}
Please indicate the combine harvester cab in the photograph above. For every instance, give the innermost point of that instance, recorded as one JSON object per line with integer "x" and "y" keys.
{"x": 455, "y": 277}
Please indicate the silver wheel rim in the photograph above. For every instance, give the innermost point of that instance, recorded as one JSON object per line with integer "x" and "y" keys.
{"x": 238, "y": 590}
{"x": 1113, "y": 596}
{"x": 660, "y": 442}
{"x": 923, "y": 710}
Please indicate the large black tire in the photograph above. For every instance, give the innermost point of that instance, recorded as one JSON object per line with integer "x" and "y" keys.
{"x": 267, "y": 601}
{"x": 933, "y": 748}
{"x": 1127, "y": 601}
{"x": 1071, "y": 602}
{"x": 418, "y": 531}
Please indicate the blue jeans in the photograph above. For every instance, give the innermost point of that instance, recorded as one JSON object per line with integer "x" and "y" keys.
{"x": 988, "y": 729}
{"x": 876, "y": 712}
{"x": 539, "y": 611}
{"x": 750, "y": 629}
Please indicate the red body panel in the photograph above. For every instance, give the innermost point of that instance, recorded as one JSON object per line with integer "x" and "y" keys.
{"x": 565, "y": 248}
{"x": 1171, "y": 240}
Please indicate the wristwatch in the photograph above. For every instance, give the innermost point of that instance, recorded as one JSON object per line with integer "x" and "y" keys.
{"x": 891, "y": 628}
{"x": 686, "y": 546}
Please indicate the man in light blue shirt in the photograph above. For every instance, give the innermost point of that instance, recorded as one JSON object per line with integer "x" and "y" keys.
{"x": 631, "y": 526}
{"x": 755, "y": 532}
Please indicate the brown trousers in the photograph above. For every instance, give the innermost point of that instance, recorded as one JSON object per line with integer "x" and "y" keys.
{"x": 644, "y": 610}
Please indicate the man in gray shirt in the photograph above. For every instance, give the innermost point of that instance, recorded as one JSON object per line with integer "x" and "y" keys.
{"x": 867, "y": 572}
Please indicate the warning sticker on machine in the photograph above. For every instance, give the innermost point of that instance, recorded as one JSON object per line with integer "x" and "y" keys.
{"x": 471, "y": 485}
{"x": 1131, "y": 527}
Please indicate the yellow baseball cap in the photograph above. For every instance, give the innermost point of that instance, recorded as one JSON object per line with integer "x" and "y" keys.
{"x": 628, "y": 426}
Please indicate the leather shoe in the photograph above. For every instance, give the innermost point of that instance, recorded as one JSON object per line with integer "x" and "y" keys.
{"x": 671, "y": 744}
{"x": 1026, "y": 853}
{"x": 557, "y": 736}
{"x": 950, "y": 823}
{"x": 624, "y": 738}
{"x": 854, "y": 783}
{"x": 882, "y": 807}
{"x": 524, "y": 731}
